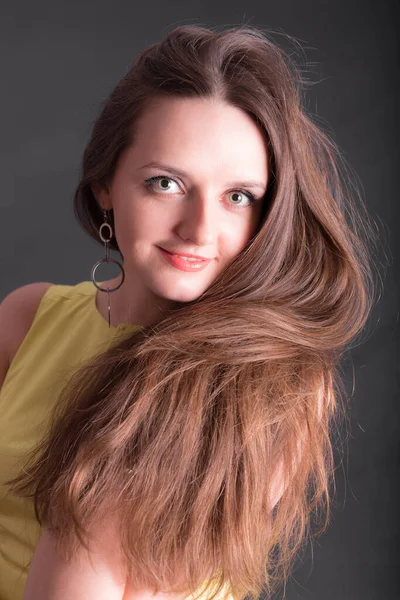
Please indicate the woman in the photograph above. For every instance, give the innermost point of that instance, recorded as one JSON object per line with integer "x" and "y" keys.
{"x": 192, "y": 404}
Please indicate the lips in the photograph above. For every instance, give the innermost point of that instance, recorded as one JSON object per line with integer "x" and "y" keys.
{"x": 186, "y": 254}
{"x": 180, "y": 263}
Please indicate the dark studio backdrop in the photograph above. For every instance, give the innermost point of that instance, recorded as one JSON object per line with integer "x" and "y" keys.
{"x": 60, "y": 60}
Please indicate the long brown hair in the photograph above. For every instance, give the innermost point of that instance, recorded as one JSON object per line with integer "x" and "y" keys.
{"x": 209, "y": 435}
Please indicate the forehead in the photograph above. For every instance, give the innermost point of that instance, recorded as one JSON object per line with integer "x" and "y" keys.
{"x": 200, "y": 135}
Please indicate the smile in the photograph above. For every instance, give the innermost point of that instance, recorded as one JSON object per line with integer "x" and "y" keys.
{"x": 184, "y": 263}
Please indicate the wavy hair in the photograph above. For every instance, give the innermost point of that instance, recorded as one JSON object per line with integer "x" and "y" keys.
{"x": 209, "y": 435}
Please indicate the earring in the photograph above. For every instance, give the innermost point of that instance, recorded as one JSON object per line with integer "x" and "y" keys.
{"x": 106, "y": 239}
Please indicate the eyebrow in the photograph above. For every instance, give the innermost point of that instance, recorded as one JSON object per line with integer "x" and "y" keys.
{"x": 180, "y": 173}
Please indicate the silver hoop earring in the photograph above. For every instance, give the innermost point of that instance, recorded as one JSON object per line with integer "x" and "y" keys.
{"x": 106, "y": 238}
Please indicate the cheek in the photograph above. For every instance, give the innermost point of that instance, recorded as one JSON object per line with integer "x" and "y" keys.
{"x": 140, "y": 222}
{"x": 236, "y": 234}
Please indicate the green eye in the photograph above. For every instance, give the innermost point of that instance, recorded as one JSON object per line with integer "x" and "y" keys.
{"x": 152, "y": 184}
{"x": 152, "y": 181}
{"x": 250, "y": 197}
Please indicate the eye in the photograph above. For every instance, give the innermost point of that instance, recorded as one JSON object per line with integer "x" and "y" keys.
{"x": 241, "y": 198}
{"x": 238, "y": 195}
{"x": 152, "y": 183}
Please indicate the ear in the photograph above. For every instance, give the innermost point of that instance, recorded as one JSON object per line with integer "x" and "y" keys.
{"x": 102, "y": 195}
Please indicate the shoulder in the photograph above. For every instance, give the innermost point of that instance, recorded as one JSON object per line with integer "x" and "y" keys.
{"x": 17, "y": 311}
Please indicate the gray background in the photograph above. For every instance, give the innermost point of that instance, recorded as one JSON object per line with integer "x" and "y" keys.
{"x": 60, "y": 60}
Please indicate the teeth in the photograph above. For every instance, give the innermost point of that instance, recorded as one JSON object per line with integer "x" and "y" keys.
{"x": 190, "y": 259}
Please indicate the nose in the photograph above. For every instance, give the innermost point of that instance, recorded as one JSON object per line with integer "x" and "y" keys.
{"x": 199, "y": 219}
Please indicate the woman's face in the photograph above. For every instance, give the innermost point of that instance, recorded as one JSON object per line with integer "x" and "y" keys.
{"x": 185, "y": 187}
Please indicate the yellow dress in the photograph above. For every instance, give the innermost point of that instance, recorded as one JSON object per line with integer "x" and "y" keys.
{"x": 67, "y": 330}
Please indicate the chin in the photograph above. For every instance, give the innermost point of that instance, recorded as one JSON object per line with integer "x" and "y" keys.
{"x": 187, "y": 297}
{"x": 182, "y": 295}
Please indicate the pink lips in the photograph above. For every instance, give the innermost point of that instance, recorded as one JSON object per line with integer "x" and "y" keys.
{"x": 184, "y": 265}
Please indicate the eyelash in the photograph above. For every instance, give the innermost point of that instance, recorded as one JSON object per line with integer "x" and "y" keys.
{"x": 151, "y": 181}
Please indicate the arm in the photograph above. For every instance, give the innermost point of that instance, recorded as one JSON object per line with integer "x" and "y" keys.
{"x": 98, "y": 576}
{"x": 95, "y": 576}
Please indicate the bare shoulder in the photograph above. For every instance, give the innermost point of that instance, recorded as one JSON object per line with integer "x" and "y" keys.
{"x": 17, "y": 312}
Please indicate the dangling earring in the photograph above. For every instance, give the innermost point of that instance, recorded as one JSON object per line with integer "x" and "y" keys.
{"x": 106, "y": 239}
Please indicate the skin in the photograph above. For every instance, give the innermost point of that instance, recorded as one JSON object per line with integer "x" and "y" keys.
{"x": 204, "y": 212}
{"x": 217, "y": 145}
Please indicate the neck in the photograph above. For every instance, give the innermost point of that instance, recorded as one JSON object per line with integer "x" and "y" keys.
{"x": 129, "y": 304}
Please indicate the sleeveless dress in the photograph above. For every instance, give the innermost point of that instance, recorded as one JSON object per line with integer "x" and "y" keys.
{"x": 66, "y": 331}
